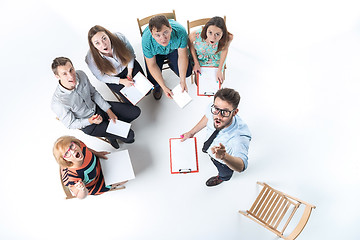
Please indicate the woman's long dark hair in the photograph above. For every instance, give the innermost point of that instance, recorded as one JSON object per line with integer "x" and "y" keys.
{"x": 119, "y": 47}
{"x": 220, "y": 23}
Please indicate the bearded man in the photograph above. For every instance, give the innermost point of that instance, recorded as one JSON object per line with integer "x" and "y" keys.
{"x": 228, "y": 136}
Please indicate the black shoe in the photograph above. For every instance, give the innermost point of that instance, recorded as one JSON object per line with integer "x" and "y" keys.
{"x": 114, "y": 143}
{"x": 129, "y": 141}
{"x": 213, "y": 181}
{"x": 157, "y": 92}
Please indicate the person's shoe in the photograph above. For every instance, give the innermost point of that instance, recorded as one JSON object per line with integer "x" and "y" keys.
{"x": 157, "y": 92}
{"x": 213, "y": 181}
{"x": 114, "y": 143}
{"x": 130, "y": 141}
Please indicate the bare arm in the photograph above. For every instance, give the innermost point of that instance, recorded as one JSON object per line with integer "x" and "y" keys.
{"x": 235, "y": 163}
{"x": 101, "y": 154}
{"x": 223, "y": 56}
{"x": 156, "y": 73}
{"x": 79, "y": 190}
{"x": 183, "y": 64}
{"x": 200, "y": 125}
{"x": 196, "y": 67}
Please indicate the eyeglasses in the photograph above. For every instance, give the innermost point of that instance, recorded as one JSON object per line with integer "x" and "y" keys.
{"x": 164, "y": 34}
{"x": 223, "y": 112}
{"x": 68, "y": 153}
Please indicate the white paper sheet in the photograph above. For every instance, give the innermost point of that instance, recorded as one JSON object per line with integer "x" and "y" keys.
{"x": 183, "y": 155}
{"x": 140, "y": 88}
{"x": 181, "y": 98}
{"x": 117, "y": 168}
{"x": 119, "y": 128}
{"x": 207, "y": 82}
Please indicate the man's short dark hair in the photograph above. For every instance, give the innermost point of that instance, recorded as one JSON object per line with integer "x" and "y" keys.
{"x": 59, "y": 61}
{"x": 157, "y": 22}
{"x": 229, "y": 95}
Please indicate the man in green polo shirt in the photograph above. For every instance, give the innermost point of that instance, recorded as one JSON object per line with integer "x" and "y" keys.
{"x": 165, "y": 39}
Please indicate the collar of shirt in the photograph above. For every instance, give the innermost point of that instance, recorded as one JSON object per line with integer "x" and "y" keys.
{"x": 110, "y": 58}
{"x": 67, "y": 91}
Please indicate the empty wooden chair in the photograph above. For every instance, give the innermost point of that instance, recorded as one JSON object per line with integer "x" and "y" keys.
{"x": 270, "y": 208}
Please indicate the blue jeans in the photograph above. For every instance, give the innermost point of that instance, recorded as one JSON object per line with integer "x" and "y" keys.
{"x": 225, "y": 173}
{"x": 173, "y": 64}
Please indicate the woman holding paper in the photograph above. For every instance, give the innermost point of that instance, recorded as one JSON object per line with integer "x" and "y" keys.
{"x": 111, "y": 59}
{"x": 209, "y": 46}
{"x": 80, "y": 167}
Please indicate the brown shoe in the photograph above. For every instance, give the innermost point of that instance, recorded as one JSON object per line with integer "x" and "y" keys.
{"x": 213, "y": 181}
{"x": 157, "y": 92}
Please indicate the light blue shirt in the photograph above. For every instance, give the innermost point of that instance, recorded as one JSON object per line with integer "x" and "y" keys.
{"x": 178, "y": 39}
{"x": 115, "y": 61}
{"x": 236, "y": 137}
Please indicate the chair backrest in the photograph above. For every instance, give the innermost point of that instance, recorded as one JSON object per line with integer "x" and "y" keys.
{"x": 145, "y": 21}
{"x": 270, "y": 208}
{"x": 198, "y": 22}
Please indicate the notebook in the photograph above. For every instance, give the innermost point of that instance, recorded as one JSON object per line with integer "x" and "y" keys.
{"x": 136, "y": 92}
{"x": 117, "y": 168}
{"x": 120, "y": 128}
{"x": 181, "y": 98}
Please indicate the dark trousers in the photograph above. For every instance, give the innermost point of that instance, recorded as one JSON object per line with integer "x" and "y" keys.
{"x": 117, "y": 87}
{"x": 124, "y": 111}
{"x": 173, "y": 64}
{"x": 225, "y": 173}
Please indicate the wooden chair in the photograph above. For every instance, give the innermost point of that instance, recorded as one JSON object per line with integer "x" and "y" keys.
{"x": 70, "y": 196}
{"x": 271, "y": 206}
{"x": 116, "y": 95}
{"x": 101, "y": 138}
{"x": 197, "y": 23}
{"x": 142, "y": 23}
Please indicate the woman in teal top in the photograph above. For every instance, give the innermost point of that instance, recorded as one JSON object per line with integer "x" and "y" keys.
{"x": 209, "y": 46}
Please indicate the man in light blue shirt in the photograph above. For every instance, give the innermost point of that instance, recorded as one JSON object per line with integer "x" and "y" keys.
{"x": 229, "y": 136}
{"x": 165, "y": 39}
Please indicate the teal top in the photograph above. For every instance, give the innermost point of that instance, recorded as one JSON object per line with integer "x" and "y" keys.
{"x": 206, "y": 52}
{"x": 178, "y": 39}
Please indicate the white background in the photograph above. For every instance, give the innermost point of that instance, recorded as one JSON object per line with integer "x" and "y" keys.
{"x": 296, "y": 66}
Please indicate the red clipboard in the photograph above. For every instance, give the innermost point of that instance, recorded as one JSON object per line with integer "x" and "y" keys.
{"x": 182, "y": 156}
{"x": 205, "y": 73}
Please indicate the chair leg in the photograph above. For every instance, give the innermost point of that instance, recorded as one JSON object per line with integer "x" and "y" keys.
{"x": 117, "y": 96}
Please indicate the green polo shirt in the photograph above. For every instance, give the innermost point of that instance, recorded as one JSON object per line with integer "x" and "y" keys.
{"x": 178, "y": 39}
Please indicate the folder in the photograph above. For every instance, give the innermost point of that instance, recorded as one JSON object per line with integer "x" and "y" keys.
{"x": 181, "y": 98}
{"x": 120, "y": 128}
{"x": 207, "y": 84}
{"x": 183, "y": 156}
{"x": 136, "y": 92}
{"x": 117, "y": 168}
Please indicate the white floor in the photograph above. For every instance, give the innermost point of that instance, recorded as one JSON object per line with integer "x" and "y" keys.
{"x": 296, "y": 66}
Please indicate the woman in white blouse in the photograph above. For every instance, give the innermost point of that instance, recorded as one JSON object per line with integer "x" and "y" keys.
{"x": 111, "y": 59}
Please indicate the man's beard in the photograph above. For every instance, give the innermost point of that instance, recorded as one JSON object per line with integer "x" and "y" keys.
{"x": 224, "y": 124}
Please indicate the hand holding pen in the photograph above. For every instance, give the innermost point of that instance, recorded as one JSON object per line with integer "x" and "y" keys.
{"x": 127, "y": 82}
{"x": 95, "y": 119}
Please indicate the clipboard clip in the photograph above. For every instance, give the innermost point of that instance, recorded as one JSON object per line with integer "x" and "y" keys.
{"x": 185, "y": 170}
{"x": 209, "y": 93}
